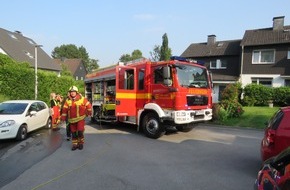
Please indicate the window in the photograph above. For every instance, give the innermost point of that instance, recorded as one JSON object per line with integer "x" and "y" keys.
{"x": 218, "y": 64}
{"x": 221, "y": 89}
{"x": 287, "y": 82}
{"x": 12, "y": 36}
{"x": 158, "y": 75}
{"x": 288, "y": 54}
{"x": 126, "y": 79}
{"x": 29, "y": 55}
{"x": 263, "y": 56}
{"x": 31, "y": 42}
{"x": 263, "y": 81}
{"x": 141, "y": 80}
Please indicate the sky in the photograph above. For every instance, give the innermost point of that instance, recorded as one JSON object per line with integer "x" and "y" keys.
{"x": 107, "y": 29}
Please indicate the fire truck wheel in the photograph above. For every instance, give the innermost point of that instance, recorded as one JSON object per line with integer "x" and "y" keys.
{"x": 152, "y": 127}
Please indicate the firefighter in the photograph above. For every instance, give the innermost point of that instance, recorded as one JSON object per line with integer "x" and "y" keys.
{"x": 55, "y": 111}
{"x": 75, "y": 110}
{"x": 67, "y": 127}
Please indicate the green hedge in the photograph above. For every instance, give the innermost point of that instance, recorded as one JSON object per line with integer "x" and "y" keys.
{"x": 17, "y": 81}
{"x": 259, "y": 95}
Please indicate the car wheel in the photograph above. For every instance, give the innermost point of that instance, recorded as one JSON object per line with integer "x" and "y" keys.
{"x": 48, "y": 123}
{"x": 22, "y": 133}
{"x": 152, "y": 127}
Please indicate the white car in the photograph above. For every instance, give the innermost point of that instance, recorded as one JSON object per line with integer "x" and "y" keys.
{"x": 19, "y": 117}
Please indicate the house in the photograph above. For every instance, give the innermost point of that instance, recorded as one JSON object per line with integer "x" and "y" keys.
{"x": 75, "y": 66}
{"x": 24, "y": 49}
{"x": 222, "y": 58}
{"x": 265, "y": 56}
{"x": 262, "y": 56}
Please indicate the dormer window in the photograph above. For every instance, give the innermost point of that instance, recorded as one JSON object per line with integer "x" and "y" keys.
{"x": 218, "y": 64}
{"x": 12, "y": 36}
{"x": 31, "y": 42}
{"x": 29, "y": 55}
{"x": 263, "y": 56}
{"x": 220, "y": 44}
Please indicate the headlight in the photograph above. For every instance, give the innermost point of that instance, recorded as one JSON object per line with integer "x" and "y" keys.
{"x": 7, "y": 123}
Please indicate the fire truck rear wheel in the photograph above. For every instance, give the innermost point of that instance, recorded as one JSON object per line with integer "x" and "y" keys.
{"x": 151, "y": 126}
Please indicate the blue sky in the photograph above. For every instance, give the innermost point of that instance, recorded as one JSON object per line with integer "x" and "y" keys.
{"x": 110, "y": 28}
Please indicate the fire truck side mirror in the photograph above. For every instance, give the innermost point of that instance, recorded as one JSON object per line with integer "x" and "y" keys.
{"x": 166, "y": 72}
{"x": 167, "y": 82}
{"x": 167, "y": 76}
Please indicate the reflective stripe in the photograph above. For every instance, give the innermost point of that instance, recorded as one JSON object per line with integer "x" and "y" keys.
{"x": 76, "y": 119}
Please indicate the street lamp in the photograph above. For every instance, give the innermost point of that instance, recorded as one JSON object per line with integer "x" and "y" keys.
{"x": 35, "y": 68}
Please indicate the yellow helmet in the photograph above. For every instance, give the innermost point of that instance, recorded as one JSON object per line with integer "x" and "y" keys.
{"x": 73, "y": 88}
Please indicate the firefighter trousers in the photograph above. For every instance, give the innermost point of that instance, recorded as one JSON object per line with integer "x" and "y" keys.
{"x": 77, "y": 131}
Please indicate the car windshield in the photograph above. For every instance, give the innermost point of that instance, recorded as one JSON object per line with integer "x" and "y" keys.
{"x": 192, "y": 76}
{"x": 12, "y": 108}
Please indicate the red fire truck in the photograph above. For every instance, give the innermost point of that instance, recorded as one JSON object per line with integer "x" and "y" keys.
{"x": 152, "y": 95}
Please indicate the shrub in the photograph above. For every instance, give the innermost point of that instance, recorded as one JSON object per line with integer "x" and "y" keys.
{"x": 257, "y": 94}
{"x": 233, "y": 108}
{"x": 280, "y": 96}
{"x": 219, "y": 113}
{"x": 230, "y": 105}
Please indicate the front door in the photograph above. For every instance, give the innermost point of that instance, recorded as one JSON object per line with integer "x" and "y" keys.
{"x": 126, "y": 88}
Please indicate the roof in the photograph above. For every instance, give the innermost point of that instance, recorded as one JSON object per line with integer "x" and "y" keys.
{"x": 219, "y": 48}
{"x": 266, "y": 36}
{"x": 22, "y": 49}
{"x": 72, "y": 64}
{"x": 21, "y": 101}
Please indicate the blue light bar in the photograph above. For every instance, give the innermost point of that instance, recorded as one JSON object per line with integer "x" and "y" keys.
{"x": 178, "y": 58}
{"x": 200, "y": 62}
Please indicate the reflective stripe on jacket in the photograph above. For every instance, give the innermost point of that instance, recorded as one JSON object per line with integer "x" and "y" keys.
{"x": 76, "y": 109}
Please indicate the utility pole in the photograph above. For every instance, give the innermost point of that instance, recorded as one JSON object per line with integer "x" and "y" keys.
{"x": 35, "y": 68}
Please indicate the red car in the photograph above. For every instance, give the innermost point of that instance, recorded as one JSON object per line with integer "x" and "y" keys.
{"x": 277, "y": 134}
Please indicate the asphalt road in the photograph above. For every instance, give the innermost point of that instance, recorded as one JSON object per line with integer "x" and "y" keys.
{"x": 116, "y": 157}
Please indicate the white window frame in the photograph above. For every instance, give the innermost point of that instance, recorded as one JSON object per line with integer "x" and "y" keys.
{"x": 262, "y": 80}
{"x": 218, "y": 64}
{"x": 259, "y": 52}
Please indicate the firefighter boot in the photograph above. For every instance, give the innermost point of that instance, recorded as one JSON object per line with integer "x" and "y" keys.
{"x": 74, "y": 141}
{"x": 80, "y": 140}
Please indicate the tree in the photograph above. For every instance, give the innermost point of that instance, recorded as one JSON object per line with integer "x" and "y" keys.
{"x": 71, "y": 51}
{"x": 165, "y": 51}
{"x": 155, "y": 54}
{"x": 93, "y": 65}
{"x": 125, "y": 58}
{"x": 136, "y": 54}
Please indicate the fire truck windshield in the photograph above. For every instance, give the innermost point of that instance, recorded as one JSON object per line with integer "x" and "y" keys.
{"x": 192, "y": 76}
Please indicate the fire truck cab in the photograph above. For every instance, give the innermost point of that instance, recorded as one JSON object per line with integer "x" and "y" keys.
{"x": 152, "y": 95}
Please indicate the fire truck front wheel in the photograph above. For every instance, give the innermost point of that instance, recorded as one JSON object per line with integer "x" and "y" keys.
{"x": 151, "y": 126}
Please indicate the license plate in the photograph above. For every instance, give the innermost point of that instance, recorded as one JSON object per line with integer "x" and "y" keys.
{"x": 199, "y": 112}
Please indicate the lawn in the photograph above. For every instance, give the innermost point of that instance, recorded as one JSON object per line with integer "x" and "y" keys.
{"x": 253, "y": 117}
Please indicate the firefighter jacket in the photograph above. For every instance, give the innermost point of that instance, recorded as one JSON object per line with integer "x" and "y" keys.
{"x": 76, "y": 109}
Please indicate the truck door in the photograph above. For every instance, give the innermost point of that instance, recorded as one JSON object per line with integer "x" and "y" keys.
{"x": 126, "y": 88}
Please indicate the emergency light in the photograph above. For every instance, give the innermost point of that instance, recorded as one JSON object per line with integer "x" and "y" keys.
{"x": 178, "y": 58}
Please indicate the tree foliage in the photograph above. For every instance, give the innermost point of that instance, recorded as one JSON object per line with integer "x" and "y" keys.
{"x": 71, "y": 51}
{"x": 155, "y": 54}
{"x": 136, "y": 54}
{"x": 165, "y": 51}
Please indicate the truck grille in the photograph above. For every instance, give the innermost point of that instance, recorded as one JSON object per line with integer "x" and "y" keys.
{"x": 197, "y": 100}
